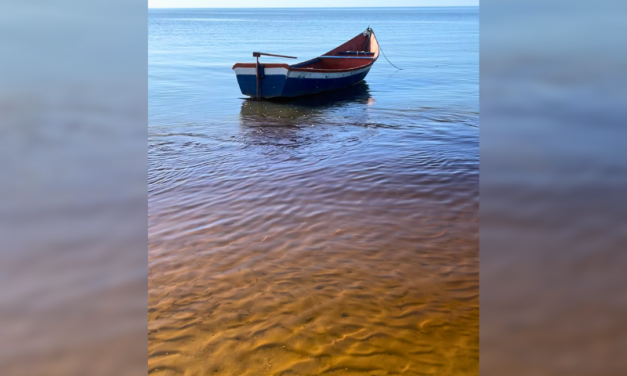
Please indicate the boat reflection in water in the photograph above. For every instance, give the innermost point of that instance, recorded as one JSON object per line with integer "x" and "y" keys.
{"x": 304, "y": 111}
{"x": 315, "y": 127}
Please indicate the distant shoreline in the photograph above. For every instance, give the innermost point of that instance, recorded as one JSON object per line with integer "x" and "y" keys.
{"x": 320, "y": 8}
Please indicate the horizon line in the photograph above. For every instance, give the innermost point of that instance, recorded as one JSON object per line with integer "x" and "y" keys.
{"x": 270, "y": 7}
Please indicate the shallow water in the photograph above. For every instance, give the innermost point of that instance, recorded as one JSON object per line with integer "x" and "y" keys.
{"x": 335, "y": 234}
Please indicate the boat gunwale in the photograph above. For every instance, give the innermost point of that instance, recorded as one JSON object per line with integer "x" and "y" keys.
{"x": 290, "y": 68}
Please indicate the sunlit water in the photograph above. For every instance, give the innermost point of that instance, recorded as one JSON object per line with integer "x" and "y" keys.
{"x": 335, "y": 234}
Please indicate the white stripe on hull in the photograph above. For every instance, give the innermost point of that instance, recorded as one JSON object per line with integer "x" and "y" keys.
{"x": 267, "y": 71}
{"x": 301, "y": 74}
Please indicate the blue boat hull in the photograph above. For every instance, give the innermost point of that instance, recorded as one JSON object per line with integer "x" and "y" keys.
{"x": 291, "y": 85}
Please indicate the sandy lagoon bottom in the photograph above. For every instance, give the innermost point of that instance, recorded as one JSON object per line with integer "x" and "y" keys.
{"x": 270, "y": 261}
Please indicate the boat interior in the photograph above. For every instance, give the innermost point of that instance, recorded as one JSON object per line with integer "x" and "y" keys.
{"x": 357, "y": 52}
{"x": 334, "y": 62}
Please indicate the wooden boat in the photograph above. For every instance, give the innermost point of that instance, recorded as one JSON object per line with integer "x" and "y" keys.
{"x": 341, "y": 67}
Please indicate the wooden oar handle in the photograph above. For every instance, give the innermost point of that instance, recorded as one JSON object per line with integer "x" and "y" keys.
{"x": 257, "y": 54}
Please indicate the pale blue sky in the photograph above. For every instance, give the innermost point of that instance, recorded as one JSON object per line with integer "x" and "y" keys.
{"x": 306, "y": 4}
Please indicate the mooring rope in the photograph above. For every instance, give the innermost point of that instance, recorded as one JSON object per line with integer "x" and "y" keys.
{"x": 386, "y": 58}
{"x": 370, "y": 31}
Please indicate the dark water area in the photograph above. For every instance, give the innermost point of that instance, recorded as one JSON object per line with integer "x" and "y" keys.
{"x": 333, "y": 234}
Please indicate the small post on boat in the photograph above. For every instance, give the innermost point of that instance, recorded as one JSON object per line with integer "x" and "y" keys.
{"x": 257, "y": 54}
{"x": 257, "y": 76}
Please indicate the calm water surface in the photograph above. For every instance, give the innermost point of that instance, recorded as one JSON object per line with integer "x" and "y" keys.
{"x": 336, "y": 234}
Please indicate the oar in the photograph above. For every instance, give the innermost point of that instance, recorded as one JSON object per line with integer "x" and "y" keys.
{"x": 257, "y": 54}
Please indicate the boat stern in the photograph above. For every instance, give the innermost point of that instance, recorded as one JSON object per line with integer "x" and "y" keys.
{"x": 272, "y": 79}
